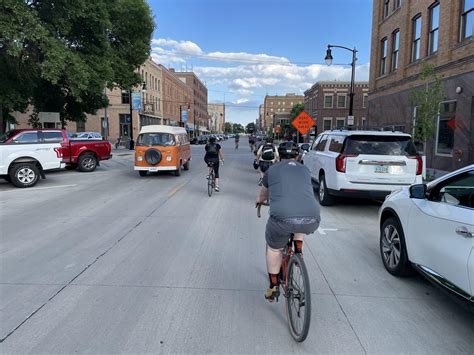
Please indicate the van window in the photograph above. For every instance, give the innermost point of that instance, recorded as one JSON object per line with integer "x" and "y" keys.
{"x": 156, "y": 139}
{"x": 322, "y": 143}
{"x": 336, "y": 144}
{"x": 380, "y": 145}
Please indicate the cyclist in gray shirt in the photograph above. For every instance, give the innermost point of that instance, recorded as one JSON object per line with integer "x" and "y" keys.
{"x": 293, "y": 209}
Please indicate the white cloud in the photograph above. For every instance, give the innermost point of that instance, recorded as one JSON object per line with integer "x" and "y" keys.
{"x": 240, "y": 101}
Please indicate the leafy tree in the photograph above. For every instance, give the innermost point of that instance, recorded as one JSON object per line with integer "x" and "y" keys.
{"x": 295, "y": 111}
{"x": 227, "y": 127}
{"x": 250, "y": 128}
{"x": 426, "y": 100}
{"x": 238, "y": 128}
{"x": 59, "y": 55}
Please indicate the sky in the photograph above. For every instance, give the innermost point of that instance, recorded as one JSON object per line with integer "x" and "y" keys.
{"x": 245, "y": 49}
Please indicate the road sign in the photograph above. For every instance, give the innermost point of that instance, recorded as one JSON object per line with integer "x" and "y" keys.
{"x": 350, "y": 120}
{"x": 303, "y": 123}
{"x": 184, "y": 116}
{"x": 136, "y": 101}
{"x": 277, "y": 129}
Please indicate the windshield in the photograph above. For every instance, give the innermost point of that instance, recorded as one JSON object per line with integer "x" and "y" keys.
{"x": 380, "y": 145}
{"x": 155, "y": 139}
{"x": 7, "y": 135}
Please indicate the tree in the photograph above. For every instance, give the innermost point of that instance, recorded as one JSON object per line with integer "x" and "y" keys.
{"x": 238, "y": 128}
{"x": 295, "y": 111}
{"x": 59, "y": 55}
{"x": 250, "y": 128}
{"x": 228, "y": 127}
{"x": 426, "y": 100}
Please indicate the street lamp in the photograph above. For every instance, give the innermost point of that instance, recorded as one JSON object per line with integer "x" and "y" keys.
{"x": 329, "y": 59}
{"x": 132, "y": 142}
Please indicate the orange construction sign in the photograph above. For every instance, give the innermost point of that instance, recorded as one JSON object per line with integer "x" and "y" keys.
{"x": 303, "y": 123}
{"x": 277, "y": 129}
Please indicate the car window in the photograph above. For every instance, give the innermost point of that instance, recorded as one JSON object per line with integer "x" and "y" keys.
{"x": 7, "y": 135}
{"x": 380, "y": 145}
{"x": 322, "y": 143}
{"x": 315, "y": 144}
{"x": 156, "y": 139}
{"x": 27, "y": 137}
{"x": 458, "y": 190}
{"x": 52, "y": 137}
{"x": 336, "y": 144}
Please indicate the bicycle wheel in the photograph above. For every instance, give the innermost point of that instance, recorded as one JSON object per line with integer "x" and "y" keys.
{"x": 298, "y": 300}
{"x": 210, "y": 184}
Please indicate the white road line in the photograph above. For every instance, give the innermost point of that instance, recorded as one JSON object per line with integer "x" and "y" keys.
{"x": 323, "y": 231}
{"x": 40, "y": 188}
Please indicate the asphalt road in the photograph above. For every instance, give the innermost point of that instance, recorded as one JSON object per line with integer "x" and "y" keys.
{"x": 110, "y": 262}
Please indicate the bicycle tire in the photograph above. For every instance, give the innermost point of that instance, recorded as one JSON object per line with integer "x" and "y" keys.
{"x": 293, "y": 312}
{"x": 210, "y": 183}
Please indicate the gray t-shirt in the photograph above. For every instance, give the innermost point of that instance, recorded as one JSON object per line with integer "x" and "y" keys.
{"x": 291, "y": 191}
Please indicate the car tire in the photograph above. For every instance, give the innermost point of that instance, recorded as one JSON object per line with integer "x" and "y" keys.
{"x": 143, "y": 172}
{"x": 393, "y": 248}
{"x": 24, "y": 175}
{"x": 177, "y": 172}
{"x": 325, "y": 198}
{"x": 186, "y": 165}
{"x": 87, "y": 163}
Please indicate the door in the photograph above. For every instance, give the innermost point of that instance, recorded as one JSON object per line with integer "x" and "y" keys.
{"x": 440, "y": 232}
{"x": 310, "y": 157}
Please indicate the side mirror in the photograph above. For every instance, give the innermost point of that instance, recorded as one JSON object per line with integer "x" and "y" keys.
{"x": 305, "y": 146}
{"x": 418, "y": 191}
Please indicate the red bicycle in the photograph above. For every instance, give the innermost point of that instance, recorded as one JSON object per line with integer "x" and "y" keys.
{"x": 294, "y": 281}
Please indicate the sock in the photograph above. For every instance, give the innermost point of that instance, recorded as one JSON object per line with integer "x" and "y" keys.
{"x": 298, "y": 244}
{"x": 273, "y": 279}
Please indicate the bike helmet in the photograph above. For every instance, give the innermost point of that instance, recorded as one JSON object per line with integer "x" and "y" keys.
{"x": 269, "y": 140}
{"x": 288, "y": 150}
{"x": 212, "y": 139}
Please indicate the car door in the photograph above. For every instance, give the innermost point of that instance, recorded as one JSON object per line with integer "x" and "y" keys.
{"x": 310, "y": 158}
{"x": 440, "y": 233}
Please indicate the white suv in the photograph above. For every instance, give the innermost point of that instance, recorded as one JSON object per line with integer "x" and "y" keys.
{"x": 367, "y": 164}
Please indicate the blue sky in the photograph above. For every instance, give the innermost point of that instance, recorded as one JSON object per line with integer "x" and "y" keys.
{"x": 243, "y": 49}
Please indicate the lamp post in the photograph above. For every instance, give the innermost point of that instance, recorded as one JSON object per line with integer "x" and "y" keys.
{"x": 329, "y": 59}
{"x": 132, "y": 142}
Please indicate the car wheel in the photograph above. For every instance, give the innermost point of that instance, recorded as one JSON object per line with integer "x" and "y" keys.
{"x": 24, "y": 175}
{"x": 143, "y": 172}
{"x": 177, "y": 172}
{"x": 325, "y": 199}
{"x": 186, "y": 166}
{"x": 393, "y": 248}
{"x": 87, "y": 163}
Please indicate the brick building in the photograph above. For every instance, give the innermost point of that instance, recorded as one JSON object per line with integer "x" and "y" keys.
{"x": 199, "y": 109}
{"x": 216, "y": 113}
{"x": 327, "y": 102}
{"x": 405, "y": 36}
{"x": 276, "y": 109}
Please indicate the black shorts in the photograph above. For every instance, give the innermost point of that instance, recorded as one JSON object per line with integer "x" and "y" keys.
{"x": 264, "y": 165}
{"x": 277, "y": 233}
{"x": 215, "y": 165}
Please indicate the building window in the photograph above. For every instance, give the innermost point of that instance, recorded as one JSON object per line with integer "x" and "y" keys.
{"x": 327, "y": 101}
{"x": 341, "y": 101}
{"x": 446, "y": 126}
{"x": 364, "y": 100}
{"x": 340, "y": 122}
{"x": 467, "y": 19}
{"x": 434, "y": 29}
{"x": 383, "y": 56}
{"x": 386, "y": 5}
{"x": 363, "y": 122}
{"x": 125, "y": 97}
{"x": 81, "y": 126}
{"x": 327, "y": 124}
{"x": 159, "y": 84}
{"x": 395, "y": 44}
{"x": 415, "y": 48}
{"x": 397, "y": 4}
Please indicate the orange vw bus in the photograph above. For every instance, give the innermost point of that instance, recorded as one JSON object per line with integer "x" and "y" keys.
{"x": 162, "y": 148}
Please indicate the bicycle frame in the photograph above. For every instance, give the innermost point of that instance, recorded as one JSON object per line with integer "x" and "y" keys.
{"x": 287, "y": 254}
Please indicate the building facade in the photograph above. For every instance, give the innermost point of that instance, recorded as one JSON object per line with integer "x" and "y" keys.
{"x": 327, "y": 102}
{"x": 199, "y": 101}
{"x": 216, "y": 113}
{"x": 407, "y": 35}
{"x": 276, "y": 109}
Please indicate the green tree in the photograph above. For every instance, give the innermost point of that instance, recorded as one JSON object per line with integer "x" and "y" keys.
{"x": 228, "y": 127}
{"x": 295, "y": 111}
{"x": 250, "y": 128}
{"x": 59, "y": 55}
{"x": 238, "y": 128}
{"x": 426, "y": 100}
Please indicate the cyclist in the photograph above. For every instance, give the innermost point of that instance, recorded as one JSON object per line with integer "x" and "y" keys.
{"x": 252, "y": 140}
{"x": 267, "y": 155}
{"x": 213, "y": 154}
{"x": 237, "y": 138}
{"x": 293, "y": 209}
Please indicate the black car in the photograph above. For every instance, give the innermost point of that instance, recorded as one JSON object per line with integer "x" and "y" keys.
{"x": 202, "y": 140}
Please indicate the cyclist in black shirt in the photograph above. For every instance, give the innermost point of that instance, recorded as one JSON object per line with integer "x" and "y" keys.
{"x": 213, "y": 153}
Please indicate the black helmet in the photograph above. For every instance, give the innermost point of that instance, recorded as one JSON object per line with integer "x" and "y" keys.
{"x": 269, "y": 140}
{"x": 288, "y": 150}
{"x": 212, "y": 139}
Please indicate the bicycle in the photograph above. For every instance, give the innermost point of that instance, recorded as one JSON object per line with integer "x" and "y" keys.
{"x": 236, "y": 144}
{"x": 294, "y": 281}
{"x": 211, "y": 180}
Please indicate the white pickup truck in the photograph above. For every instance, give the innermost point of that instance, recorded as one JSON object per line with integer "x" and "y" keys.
{"x": 26, "y": 154}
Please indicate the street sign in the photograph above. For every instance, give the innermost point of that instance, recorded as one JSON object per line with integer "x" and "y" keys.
{"x": 303, "y": 123}
{"x": 184, "y": 116}
{"x": 136, "y": 101}
{"x": 277, "y": 129}
{"x": 350, "y": 120}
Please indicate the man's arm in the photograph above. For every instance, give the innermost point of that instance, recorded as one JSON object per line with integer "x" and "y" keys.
{"x": 263, "y": 196}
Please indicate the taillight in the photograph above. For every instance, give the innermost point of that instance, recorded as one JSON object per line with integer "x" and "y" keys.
{"x": 341, "y": 161}
{"x": 59, "y": 152}
{"x": 419, "y": 164}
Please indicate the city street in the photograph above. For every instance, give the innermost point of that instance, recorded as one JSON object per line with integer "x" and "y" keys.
{"x": 109, "y": 262}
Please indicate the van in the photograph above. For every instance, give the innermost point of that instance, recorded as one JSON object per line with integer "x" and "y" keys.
{"x": 162, "y": 148}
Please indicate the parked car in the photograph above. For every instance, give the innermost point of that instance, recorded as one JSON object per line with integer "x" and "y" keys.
{"x": 430, "y": 228}
{"x": 193, "y": 140}
{"x": 367, "y": 164}
{"x": 87, "y": 135}
{"x": 162, "y": 148}
{"x": 25, "y": 156}
{"x": 202, "y": 140}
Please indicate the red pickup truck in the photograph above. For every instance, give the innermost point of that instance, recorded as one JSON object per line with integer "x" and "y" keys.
{"x": 82, "y": 154}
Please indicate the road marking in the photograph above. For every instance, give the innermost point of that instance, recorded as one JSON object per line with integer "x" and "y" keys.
{"x": 175, "y": 190}
{"x": 323, "y": 231}
{"x": 41, "y": 188}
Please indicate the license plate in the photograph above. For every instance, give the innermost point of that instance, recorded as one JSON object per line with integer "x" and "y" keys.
{"x": 381, "y": 169}
{"x": 153, "y": 169}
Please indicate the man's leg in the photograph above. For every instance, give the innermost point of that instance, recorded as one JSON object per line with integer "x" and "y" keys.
{"x": 216, "y": 173}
